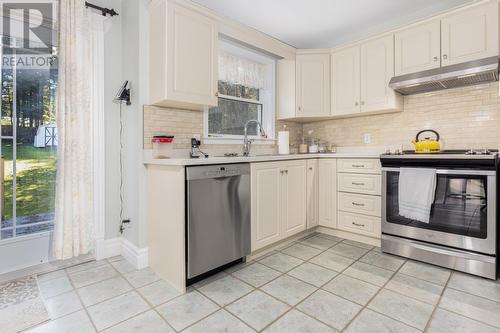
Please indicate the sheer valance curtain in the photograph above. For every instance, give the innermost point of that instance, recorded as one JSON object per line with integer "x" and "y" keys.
{"x": 241, "y": 71}
{"x": 80, "y": 87}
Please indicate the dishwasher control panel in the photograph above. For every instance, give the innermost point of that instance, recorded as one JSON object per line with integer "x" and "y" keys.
{"x": 217, "y": 171}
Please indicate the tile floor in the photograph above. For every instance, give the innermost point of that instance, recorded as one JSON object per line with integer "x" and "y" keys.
{"x": 317, "y": 284}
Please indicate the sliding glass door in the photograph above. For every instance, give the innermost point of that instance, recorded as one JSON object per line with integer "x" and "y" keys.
{"x": 28, "y": 140}
{"x": 28, "y": 151}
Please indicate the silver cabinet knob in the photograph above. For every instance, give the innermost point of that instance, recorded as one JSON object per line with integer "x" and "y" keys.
{"x": 356, "y": 104}
{"x": 362, "y": 102}
{"x": 310, "y": 168}
{"x": 300, "y": 108}
{"x": 445, "y": 56}
{"x": 217, "y": 94}
{"x": 436, "y": 59}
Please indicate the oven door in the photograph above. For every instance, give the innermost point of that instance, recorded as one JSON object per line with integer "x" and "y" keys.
{"x": 463, "y": 214}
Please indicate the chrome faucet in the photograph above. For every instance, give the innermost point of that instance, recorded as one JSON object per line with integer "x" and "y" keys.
{"x": 248, "y": 142}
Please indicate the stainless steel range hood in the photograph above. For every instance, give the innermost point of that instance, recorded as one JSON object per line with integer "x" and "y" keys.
{"x": 459, "y": 75}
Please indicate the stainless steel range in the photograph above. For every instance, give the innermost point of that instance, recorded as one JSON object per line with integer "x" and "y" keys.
{"x": 462, "y": 230}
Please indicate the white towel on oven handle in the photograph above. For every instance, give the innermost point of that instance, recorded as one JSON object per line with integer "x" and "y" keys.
{"x": 417, "y": 187}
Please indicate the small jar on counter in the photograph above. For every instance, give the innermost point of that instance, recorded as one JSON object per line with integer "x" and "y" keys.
{"x": 163, "y": 146}
{"x": 313, "y": 146}
{"x": 303, "y": 147}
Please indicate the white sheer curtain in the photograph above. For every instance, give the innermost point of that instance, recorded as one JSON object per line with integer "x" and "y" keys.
{"x": 238, "y": 70}
{"x": 74, "y": 230}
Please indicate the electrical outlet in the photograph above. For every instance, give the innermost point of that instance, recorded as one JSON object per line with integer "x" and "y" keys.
{"x": 367, "y": 138}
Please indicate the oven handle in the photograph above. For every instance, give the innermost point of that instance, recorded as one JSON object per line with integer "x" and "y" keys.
{"x": 452, "y": 171}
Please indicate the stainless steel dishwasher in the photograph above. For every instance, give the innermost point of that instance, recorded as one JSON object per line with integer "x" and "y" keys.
{"x": 218, "y": 216}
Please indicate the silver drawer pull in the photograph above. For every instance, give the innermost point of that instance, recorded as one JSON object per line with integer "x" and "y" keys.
{"x": 358, "y": 165}
{"x": 358, "y": 204}
{"x": 357, "y": 184}
{"x": 358, "y": 224}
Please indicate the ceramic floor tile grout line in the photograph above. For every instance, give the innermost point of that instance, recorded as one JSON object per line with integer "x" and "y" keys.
{"x": 437, "y": 304}
{"x": 289, "y": 308}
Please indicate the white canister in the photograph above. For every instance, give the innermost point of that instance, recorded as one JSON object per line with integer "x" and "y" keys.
{"x": 283, "y": 142}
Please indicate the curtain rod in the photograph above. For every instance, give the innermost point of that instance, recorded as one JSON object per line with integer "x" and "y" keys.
{"x": 103, "y": 10}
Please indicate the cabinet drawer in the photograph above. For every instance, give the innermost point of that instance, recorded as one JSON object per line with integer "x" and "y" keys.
{"x": 360, "y": 203}
{"x": 361, "y": 224}
{"x": 359, "y": 165}
{"x": 359, "y": 183}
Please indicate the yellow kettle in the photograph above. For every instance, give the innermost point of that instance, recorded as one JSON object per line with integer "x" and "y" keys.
{"x": 427, "y": 145}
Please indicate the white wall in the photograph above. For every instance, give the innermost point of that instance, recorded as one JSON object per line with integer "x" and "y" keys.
{"x": 134, "y": 69}
{"x": 113, "y": 79}
{"x": 125, "y": 59}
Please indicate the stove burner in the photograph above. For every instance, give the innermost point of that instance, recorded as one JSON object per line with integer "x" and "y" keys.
{"x": 484, "y": 151}
{"x": 480, "y": 152}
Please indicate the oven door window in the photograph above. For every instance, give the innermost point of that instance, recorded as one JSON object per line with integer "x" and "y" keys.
{"x": 459, "y": 206}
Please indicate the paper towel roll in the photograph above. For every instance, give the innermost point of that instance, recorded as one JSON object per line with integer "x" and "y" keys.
{"x": 283, "y": 142}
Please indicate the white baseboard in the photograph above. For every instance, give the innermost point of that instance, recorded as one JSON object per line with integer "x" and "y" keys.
{"x": 138, "y": 257}
{"x": 349, "y": 235}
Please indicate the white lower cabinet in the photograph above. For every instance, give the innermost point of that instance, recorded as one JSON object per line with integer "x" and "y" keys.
{"x": 312, "y": 193}
{"x": 359, "y": 224}
{"x": 278, "y": 201}
{"x": 359, "y": 201}
{"x": 327, "y": 195}
{"x": 291, "y": 196}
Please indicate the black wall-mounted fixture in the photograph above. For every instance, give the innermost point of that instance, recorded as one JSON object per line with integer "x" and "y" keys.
{"x": 104, "y": 11}
{"x": 123, "y": 94}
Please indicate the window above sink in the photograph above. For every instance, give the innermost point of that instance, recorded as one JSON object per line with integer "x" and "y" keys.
{"x": 246, "y": 91}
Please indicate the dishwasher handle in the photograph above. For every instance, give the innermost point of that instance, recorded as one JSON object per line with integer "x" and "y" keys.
{"x": 221, "y": 171}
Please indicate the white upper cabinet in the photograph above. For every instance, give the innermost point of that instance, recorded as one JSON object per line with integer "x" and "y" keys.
{"x": 377, "y": 69}
{"x": 418, "y": 48}
{"x": 345, "y": 81}
{"x": 285, "y": 92}
{"x": 470, "y": 34}
{"x": 465, "y": 35}
{"x": 313, "y": 85}
{"x": 183, "y": 57}
{"x": 360, "y": 78}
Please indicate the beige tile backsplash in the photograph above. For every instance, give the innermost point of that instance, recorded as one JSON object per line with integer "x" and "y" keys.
{"x": 183, "y": 124}
{"x": 466, "y": 117}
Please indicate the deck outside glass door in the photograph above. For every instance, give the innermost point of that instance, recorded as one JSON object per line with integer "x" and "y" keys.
{"x": 27, "y": 156}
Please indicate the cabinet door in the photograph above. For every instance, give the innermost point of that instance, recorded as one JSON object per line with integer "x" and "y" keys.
{"x": 312, "y": 193}
{"x": 327, "y": 193}
{"x": 418, "y": 48}
{"x": 345, "y": 82}
{"x": 266, "y": 203}
{"x": 313, "y": 85}
{"x": 285, "y": 93}
{"x": 470, "y": 34}
{"x": 293, "y": 217}
{"x": 377, "y": 69}
{"x": 191, "y": 57}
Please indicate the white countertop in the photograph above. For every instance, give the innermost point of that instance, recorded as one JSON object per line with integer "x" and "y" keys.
{"x": 148, "y": 160}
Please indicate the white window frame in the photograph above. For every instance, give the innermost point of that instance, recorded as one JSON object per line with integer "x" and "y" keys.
{"x": 267, "y": 98}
